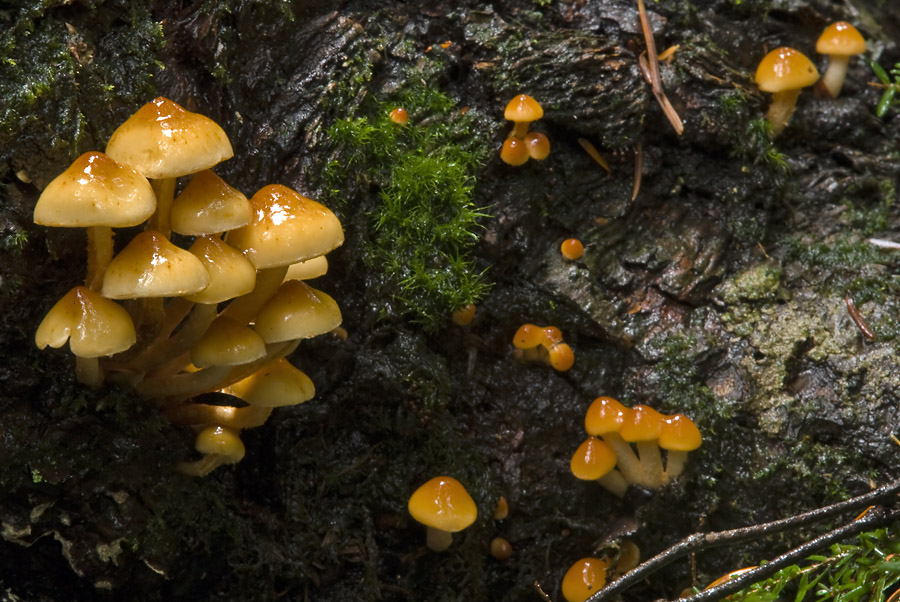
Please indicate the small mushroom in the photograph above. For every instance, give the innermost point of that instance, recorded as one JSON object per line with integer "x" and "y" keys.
{"x": 219, "y": 445}
{"x": 784, "y": 72}
{"x": 514, "y": 151}
{"x": 839, "y": 41}
{"x": 538, "y": 145}
{"x": 445, "y": 507}
{"x": 571, "y": 249}
{"x": 595, "y": 460}
{"x": 604, "y": 419}
{"x": 522, "y": 110}
{"x": 678, "y": 436}
{"x": 642, "y": 426}
{"x": 584, "y": 578}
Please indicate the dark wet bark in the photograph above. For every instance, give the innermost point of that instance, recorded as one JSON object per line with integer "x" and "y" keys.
{"x": 718, "y": 292}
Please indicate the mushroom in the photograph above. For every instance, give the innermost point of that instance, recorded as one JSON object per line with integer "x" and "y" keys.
{"x": 464, "y": 315}
{"x": 297, "y": 311}
{"x": 444, "y": 506}
{"x": 642, "y": 425}
{"x": 219, "y": 445}
{"x": 678, "y": 436}
{"x": 163, "y": 141}
{"x": 307, "y": 270}
{"x": 230, "y": 273}
{"x": 501, "y": 549}
{"x": 839, "y": 41}
{"x": 275, "y": 385}
{"x": 94, "y": 327}
{"x": 584, "y": 578}
{"x": 522, "y": 110}
{"x": 97, "y": 193}
{"x": 151, "y": 266}
{"x": 227, "y": 343}
{"x": 528, "y": 336}
{"x": 514, "y": 151}
{"x": 784, "y": 72}
{"x": 208, "y": 205}
{"x": 501, "y": 510}
{"x": 399, "y": 116}
{"x": 538, "y": 145}
{"x": 561, "y": 356}
{"x": 603, "y": 419}
{"x": 571, "y": 249}
{"x": 595, "y": 460}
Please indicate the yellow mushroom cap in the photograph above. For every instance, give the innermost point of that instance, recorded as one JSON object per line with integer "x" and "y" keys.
{"x": 163, "y": 140}
{"x": 275, "y": 385}
{"x": 151, "y": 266}
{"x": 538, "y": 145}
{"x": 641, "y": 423}
{"x": 95, "y": 190}
{"x": 208, "y": 205}
{"x": 227, "y": 342}
{"x": 679, "y": 433}
{"x": 286, "y": 228}
{"x": 561, "y": 356}
{"x": 785, "y": 69}
{"x": 443, "y": 503}
{"x": 94, "y": 326}
{"x": 222, "y": 441}
{"x": 514, "y": 151}
{"x": 584, "y": 578}
{"x": 593, "y": 459}
{"x": 605, "y": 415}
{"x": 297, "y": 311}
{"x": 308, "y": 269}
{"x": 523, "y": 108}
{"x": 230, "y": 273}
{"x": 842, "y": 39}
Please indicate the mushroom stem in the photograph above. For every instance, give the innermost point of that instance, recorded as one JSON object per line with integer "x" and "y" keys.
{"x": 781, "y": 109}
{"x": 833, "y": 80}
{"x": 626, "y": 460}
{"x": 519, "y": 129}
{"x": 614, "y": 482}
{"x": 437, "y": 540}
{"x": 183, "y": 386}
{"x": 203, "y": 466}
{"x": 164, "y": 349}
{"x": 165, "y": 193}
{"x": 675, "y": 461}
{"x": 88, "y": 371}
{"x": 99, "y": 254}
{"x": 651, "y": 464}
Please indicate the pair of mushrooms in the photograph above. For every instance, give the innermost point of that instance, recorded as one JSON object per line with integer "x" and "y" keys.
{"x": 534, "y": 343}
{"x": 218, "y": 316}
{"x": 785, "y": 71}
{"x": 606, "y": 455}
{"x": 521, "y": 144}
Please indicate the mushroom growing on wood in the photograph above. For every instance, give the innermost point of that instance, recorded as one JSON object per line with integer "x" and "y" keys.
{"x": 784, "y": 72}
{"x": 839, "y": 41}
{"x": 444, "y": 506}
{"x": 219, "y": 445}
{"x": 584, "y": 578}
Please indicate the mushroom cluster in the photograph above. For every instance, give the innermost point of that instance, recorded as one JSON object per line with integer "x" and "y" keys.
{"x": 785, "y": 71}
{"x": 534, "y": 343}
{"x": 521, "y": 144}
{"x": 218, "y": 316}
{"x": 607, "y": 457}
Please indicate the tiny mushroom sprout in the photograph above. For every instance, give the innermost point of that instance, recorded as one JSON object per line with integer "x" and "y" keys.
{"x": 444, "y": 506}
{"x": 219, "y": 445}
{"x": 839, "y": 41}
{"x": 678, "y": 436}
{"x": 538, "y": 145}
{"x": 514, "y": 152}
{"x": 522, "y": 110}
{"x": 784, "y": 72}
{"x": 571, "y": 249}
{"x": 584, "y": 578}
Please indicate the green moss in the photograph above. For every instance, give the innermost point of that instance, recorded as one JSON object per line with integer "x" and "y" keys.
{"x": 755, "y": 283}
{"x": 421, "y": 220}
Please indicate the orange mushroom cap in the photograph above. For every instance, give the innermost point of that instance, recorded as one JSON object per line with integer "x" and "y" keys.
{"x": 561, "y": 356}
{"x": 464, "y": 315}
{"x": 785, "y": 69}
{"x": 551, "y": 336}
{"x": 571, "y": 249}
{"x": 641, "y": 423}
{"x": 584, "y": 578}
{"x": 538, "y": 145}
{"x": 514, "y": 151}
{"x": 679, "y": 433}
{"x": 523, "y": 108}
{"x": 528, "y": 336}
{"x": 399, "y": 116}
{"x": 593, "y": 459}
{"x": 443, "y": 503}
{"x": 605, "y": 415}
{"x": 841, "y": 39}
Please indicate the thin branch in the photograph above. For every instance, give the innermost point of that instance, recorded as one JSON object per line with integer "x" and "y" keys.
{"x": 650, "y": 66}
{"x": 702, "y": 541}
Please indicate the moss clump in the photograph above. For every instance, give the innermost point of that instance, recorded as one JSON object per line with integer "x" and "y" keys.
{"x": 421, "y": 222}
